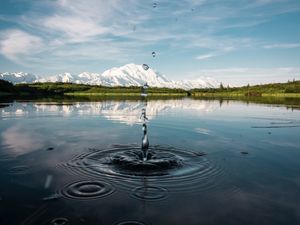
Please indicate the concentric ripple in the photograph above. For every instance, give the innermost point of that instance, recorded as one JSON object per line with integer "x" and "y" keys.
{"x": 149, "y": 193}
{"x": 86, "y": 190}
{"x": 166, "y": 167}
{"x": 19, "y": 170}
{"x": 131, "y": 222}
{"x": 59, "y": 221}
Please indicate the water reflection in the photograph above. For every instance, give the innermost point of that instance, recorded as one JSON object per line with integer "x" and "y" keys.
{"x": 223, "y": 167}
{"x": 21, "y": 140}
{"x": 127, "y": 112}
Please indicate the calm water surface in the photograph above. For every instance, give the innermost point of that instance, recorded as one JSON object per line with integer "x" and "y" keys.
{"x": 229, "y": 163}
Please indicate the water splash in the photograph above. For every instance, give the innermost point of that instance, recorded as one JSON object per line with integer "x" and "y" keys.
{"x": 145, "y": 141}
{"x": 167, "y": 167}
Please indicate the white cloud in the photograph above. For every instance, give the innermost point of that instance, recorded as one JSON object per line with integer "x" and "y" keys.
{"x": 17, "y": 43}
{"x": 76, "y": 28}
{"x": 196, "y": 2}
{"x": 206, "y": 56}
{"x": 264, "y": 2}
{"x": 282, "y": 46}
{"x": 85, "y": 34}
{"x": 237, "y": 76}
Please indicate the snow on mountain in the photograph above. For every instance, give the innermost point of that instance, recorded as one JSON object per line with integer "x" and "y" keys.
{"x": 19, "y": 77}
{"x": 127, "y": 75}
{"x": 66, "y": 78}
{"x": 135, "y": 75}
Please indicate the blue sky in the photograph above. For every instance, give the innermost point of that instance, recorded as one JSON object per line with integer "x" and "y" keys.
{"x": 235, "y": 42}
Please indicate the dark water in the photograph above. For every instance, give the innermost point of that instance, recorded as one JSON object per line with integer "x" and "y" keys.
{"x": 209, "y": 162}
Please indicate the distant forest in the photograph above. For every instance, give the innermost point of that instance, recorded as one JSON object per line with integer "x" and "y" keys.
{"x": 48, "y": 89}
{"x": 291, "y": 87}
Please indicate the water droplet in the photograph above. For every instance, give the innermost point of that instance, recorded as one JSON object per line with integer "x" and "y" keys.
{"x": 59, "y": 221}
{"x": 153, "y": 54}
{"x": 145, "y": 141}
{"x": 145, "y": 66}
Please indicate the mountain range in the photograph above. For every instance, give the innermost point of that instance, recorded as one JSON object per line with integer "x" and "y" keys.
{"x": 127, "y": 75}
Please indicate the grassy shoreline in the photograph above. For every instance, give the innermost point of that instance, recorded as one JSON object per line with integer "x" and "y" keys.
{"x": 225, "y": 94}
{"x": 121, "y": 94}
{"x": 195, "y": 94}
{"x": 289, "y": 90}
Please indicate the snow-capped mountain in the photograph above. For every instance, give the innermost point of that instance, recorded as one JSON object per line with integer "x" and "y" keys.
{"x": 127, "y": 75}
{"x": 19, "y": 77}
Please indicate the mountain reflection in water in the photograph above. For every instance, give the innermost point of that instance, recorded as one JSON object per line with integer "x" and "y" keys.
{"x": 80, "y": 163}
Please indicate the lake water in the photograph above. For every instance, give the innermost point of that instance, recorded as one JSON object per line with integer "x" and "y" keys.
{"x": 213, "y": 162}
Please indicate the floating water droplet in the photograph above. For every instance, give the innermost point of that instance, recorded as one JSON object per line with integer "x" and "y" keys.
{"x": 153, "y": 54}
{"x": 145, "y": 146}
{"x": 145, "y": 142}
{"x": 145, "y": 66}
{"x": 59, "y": 221}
